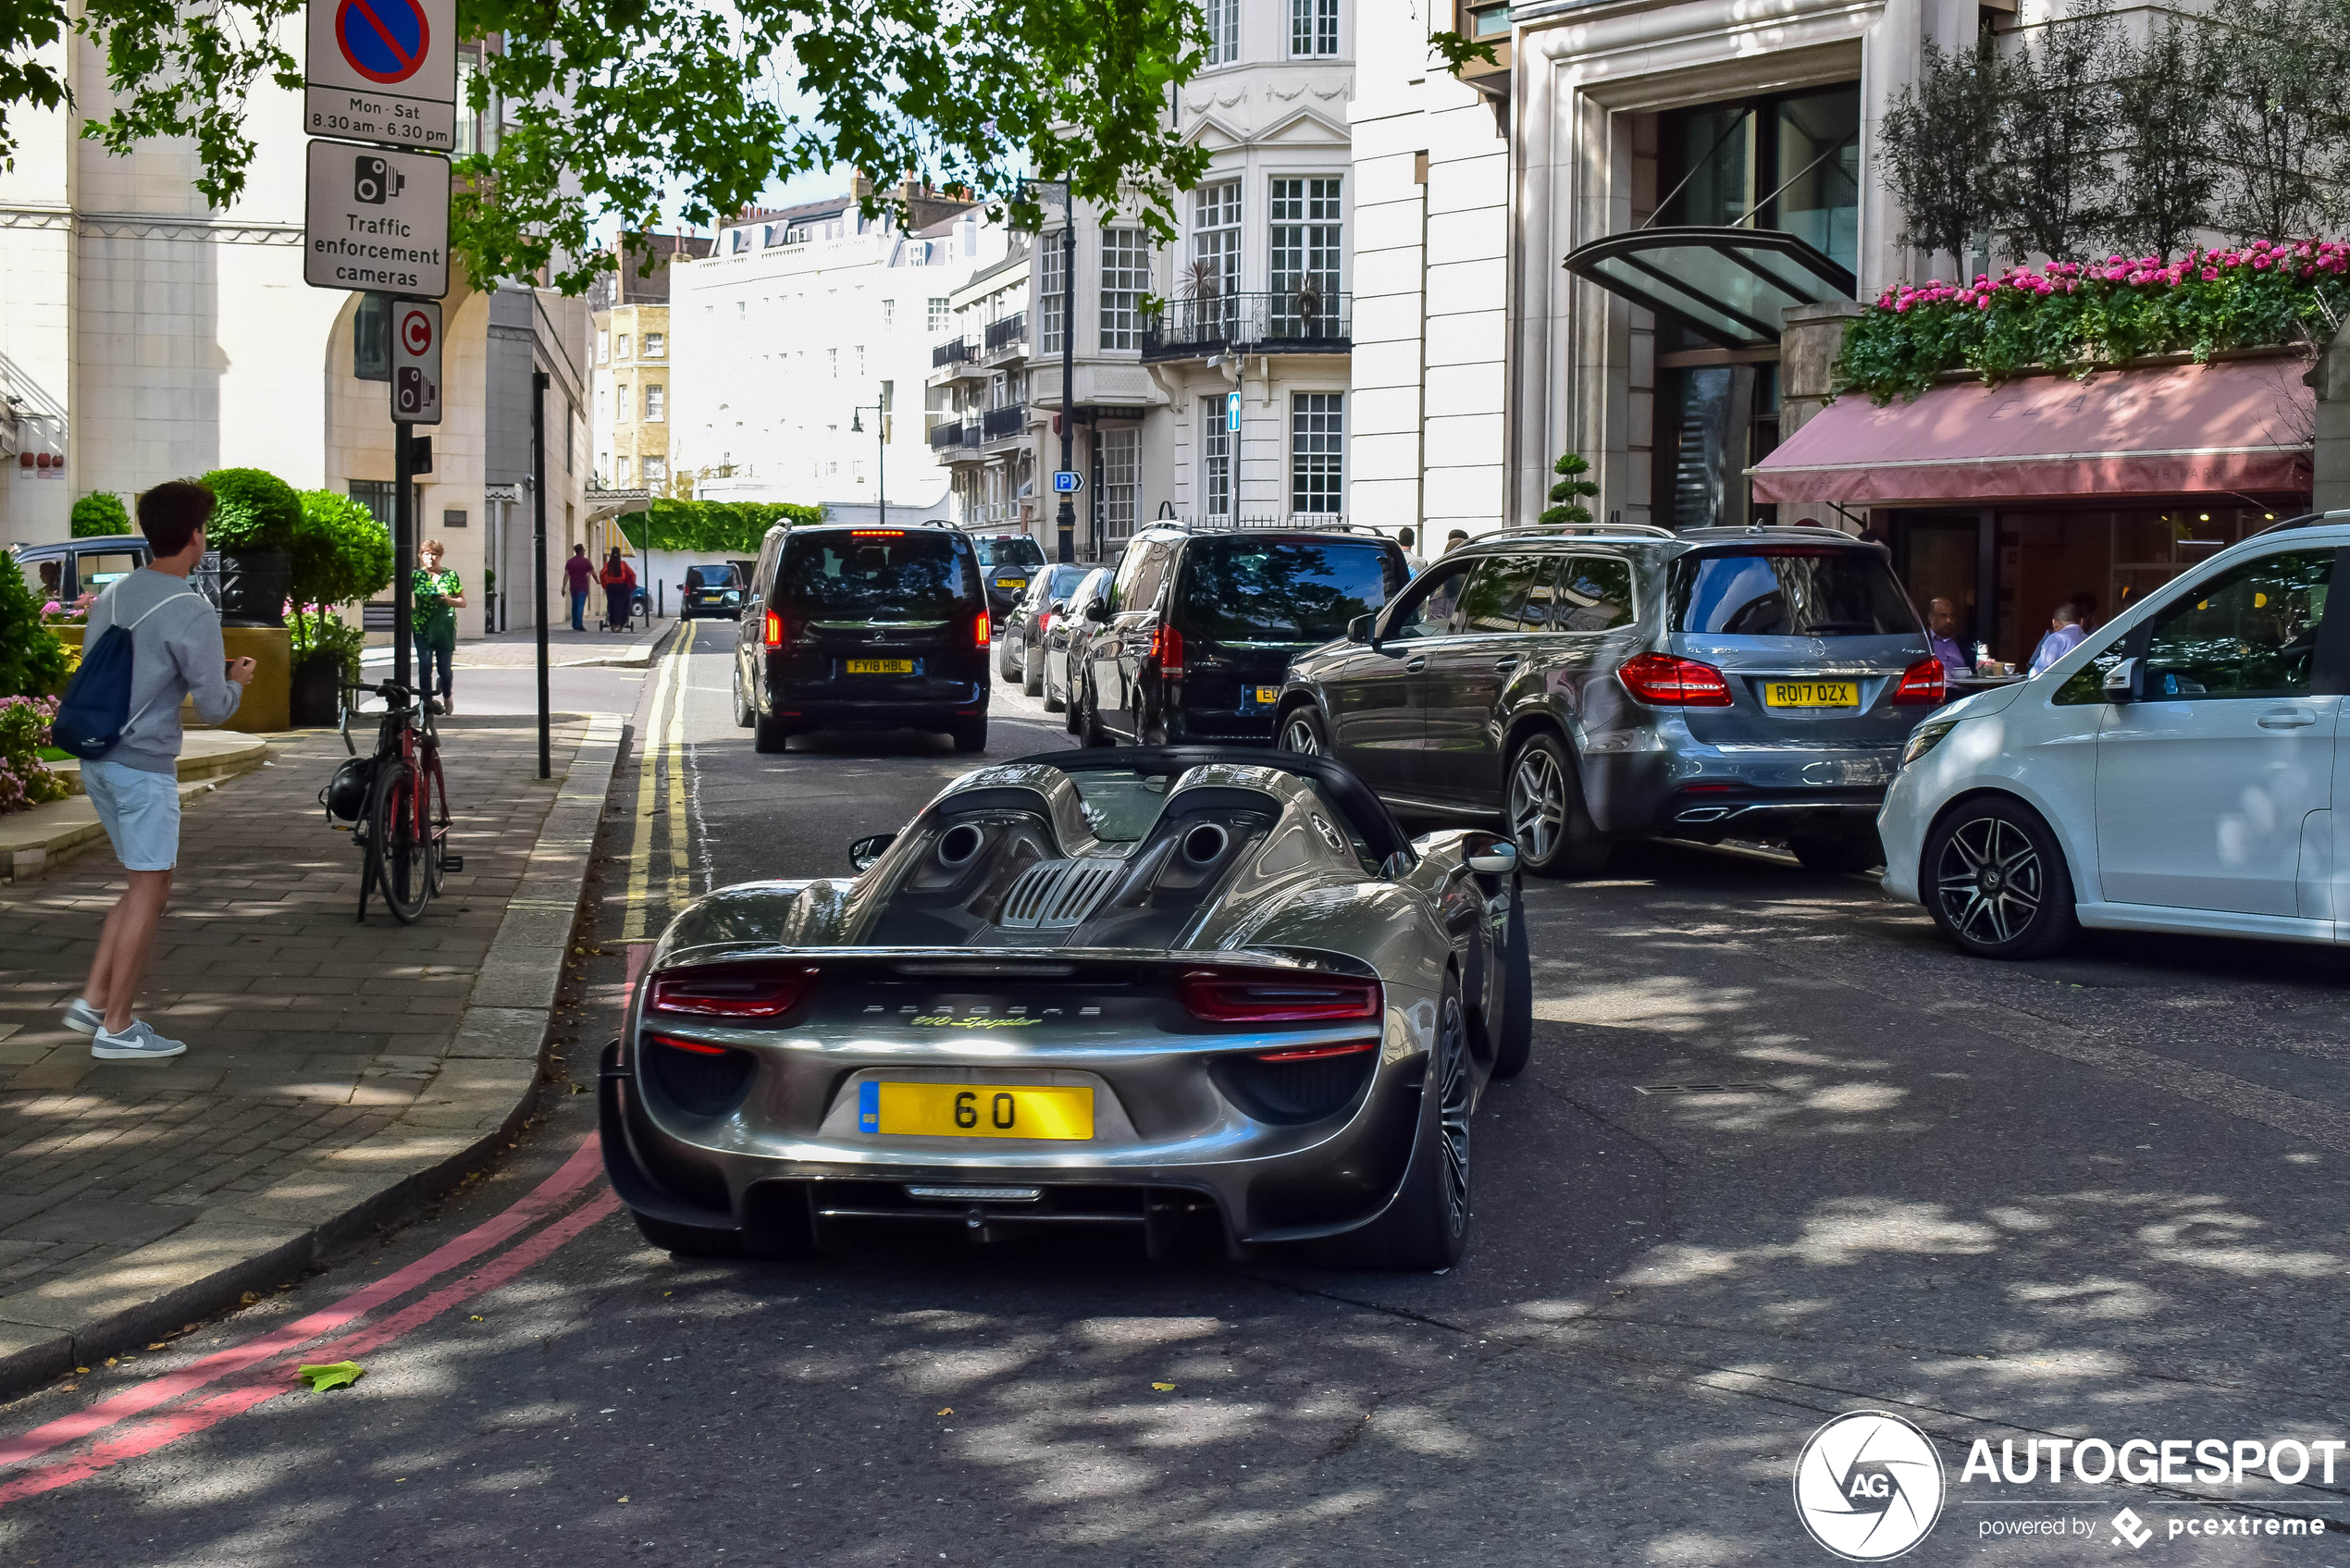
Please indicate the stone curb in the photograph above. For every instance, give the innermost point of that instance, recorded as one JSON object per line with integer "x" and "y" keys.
{"x": 475, "y": 1101}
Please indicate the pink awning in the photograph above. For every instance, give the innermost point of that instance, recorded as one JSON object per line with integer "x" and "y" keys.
{"x": 2236, "y": 424}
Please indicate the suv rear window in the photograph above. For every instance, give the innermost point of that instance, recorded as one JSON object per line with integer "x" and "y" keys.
{"x": 919, "y": 572}
{"x": 1018, "y": 550}
{"x": 1795, "y": 591}
{"x": 1274, "y": 590}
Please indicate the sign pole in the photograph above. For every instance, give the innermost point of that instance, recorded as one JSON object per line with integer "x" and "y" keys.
{"x": 1065, "y": 522}
{"x": 404, "y": 548}
{"x": 539, "y": 555}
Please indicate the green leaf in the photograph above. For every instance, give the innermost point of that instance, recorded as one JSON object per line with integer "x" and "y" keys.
{"x": 333, "y": 1375}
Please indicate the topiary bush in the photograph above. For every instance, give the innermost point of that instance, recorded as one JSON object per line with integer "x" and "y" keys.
{"x": 341, "y": 553}
{"x": 99, "y": 514}
{"x": 258, "y": 511}
{"x": 1572, "y": 490}
{"x": 33, "y": 661}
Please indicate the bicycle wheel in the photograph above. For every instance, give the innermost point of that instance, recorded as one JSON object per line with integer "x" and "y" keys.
{"x": 437, "y": 822}
{"x": 407, "y": 884}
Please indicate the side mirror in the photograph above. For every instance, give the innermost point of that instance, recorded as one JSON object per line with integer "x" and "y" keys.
{"x": 1359, "y": 629}
{"x": 1498, "y": 858}
{"x": 1097, "y": 612}
{"x": 2126, "y": 682}
{"x": 865, "y": 851}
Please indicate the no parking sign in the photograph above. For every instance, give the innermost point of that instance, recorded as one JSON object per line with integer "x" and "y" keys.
{"x": 383, "y": 71}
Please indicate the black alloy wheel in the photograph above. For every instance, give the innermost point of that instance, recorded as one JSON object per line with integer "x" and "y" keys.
{"x": 1996, "y": 880}
{"x": 1089, "y": 723}
{"x": 745, "y": 716}
{"x": 1553, "y": 830}
{"x": 1302, "y": 731}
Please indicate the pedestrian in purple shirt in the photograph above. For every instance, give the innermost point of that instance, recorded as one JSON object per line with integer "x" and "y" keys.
{"x": 2064, "y": 636}
{"x": 1941, "y": 623}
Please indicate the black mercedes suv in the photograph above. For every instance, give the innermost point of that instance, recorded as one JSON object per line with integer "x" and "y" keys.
{"x": 1583, "y": 681}
{"x": 1199, "y": 630}
{"x": 864, "y": 628}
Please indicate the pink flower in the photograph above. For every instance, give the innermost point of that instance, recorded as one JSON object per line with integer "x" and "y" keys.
{"x": 2210, "y": 273}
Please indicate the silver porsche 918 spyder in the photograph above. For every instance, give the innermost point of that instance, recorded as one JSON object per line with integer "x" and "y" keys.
{"x": 1135, "y": 987}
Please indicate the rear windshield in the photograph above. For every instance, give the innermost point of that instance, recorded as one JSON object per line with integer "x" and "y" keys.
{"x": 1793, "y": 592}
{"x": 1256, "y": 590}
{"x": 716, "y": 576}
{"x": 1018, "y": 550}
{"x": 1064, "y": 580}
{"x": 919, "y": 573}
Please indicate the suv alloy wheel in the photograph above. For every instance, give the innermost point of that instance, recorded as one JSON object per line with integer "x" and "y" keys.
{"x": 1303, "y": 733}
{"x": 1554, "y": 831}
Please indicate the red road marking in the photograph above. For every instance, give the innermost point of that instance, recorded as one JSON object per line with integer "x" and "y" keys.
{"x": 149, "y": 1435}
{"x": 585, "y": 1164}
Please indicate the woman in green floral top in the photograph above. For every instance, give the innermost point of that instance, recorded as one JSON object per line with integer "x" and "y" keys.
{"x": 436, "y": 597}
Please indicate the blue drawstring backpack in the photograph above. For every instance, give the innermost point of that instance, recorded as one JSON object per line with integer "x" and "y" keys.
{"x": 96, "y": 708}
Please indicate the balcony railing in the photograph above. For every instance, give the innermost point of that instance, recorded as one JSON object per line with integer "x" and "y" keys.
{"x": 1291, "y": 321}
{"x": 959, "y": 350}
{"x": 945, "y": 436}
{"x": 1010, "y": 332}
{"x": 998, "y": 423}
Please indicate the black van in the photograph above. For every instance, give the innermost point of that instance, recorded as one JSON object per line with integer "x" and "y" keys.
{"x": 864, "y": 628}
{"x": 1198, "y": 629}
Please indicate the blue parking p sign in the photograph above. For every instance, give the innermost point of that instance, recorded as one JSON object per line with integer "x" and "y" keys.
{"x": 1232, "y": 411}
{"x": 1068, "y": 482}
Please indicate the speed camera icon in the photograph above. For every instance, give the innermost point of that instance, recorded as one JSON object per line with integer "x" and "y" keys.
{"x": 373, "y": 181}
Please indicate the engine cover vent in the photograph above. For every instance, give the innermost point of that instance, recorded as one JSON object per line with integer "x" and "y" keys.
{"x": 1056, "y": 895}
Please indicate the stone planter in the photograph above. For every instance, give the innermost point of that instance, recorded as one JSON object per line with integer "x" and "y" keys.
{"x": 252, "y": 588}
{"x": 317, "y": 694}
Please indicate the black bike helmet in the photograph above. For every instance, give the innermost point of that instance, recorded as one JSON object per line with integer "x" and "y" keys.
{"x": 345, "y": 795}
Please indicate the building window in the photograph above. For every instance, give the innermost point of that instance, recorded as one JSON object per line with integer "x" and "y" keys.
{"x": 621, "y": 348}
{"x": 656, "y": 345}
{"x": 833, "y": 357}
{"x": 1313, "y": 26}
{"x": 1126, "y": 278}
{"x": 1216, "y": 241}
{"x": 620, "y": 471}
{"x": 889, "y": 312}
{"x": 620, "y": 401}
{"x": 1791, "y": 162}
{"x": 603, "y": 348}
{"x": 861, "y": 362}
{"x": 1223, "y": 32}
{"x": 371, "y": 339}
{"x": 1215, "y": 460}
{"x": 938, "y": 313}
{"x": 1051, "y": 275}
{"x": 742, "y": 240}
{"x": 1306, "y": 271}
{"x": 656, "y": 473}
{"x": 1121, "y": 458}
{"x": 468, "y": 128}
{"x": 1316, "y": 451}
{"x": 656, "y": 399}
{"x": 376, "y": 495}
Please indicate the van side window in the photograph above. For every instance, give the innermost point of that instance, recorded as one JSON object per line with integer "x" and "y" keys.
{"x": 1143, "y": 591}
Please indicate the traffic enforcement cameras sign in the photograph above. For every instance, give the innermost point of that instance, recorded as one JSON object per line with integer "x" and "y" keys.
{"x": 416, "y": 362}
{"x": 383, "y": 71}
{"x": 377, "y": 221}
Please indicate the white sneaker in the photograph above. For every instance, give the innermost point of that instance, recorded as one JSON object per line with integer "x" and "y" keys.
{"x": 84, "y": 1018}
{"x": 137, "y": 1043}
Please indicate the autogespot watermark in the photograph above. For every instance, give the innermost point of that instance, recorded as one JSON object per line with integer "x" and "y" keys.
{"x": 1869, "y": 1487}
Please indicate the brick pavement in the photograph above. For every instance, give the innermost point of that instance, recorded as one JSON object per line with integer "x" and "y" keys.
{"x": 322, "y": 1052}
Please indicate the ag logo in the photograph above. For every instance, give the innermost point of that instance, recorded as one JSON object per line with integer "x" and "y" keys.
{"x": 1868, "y": 1485}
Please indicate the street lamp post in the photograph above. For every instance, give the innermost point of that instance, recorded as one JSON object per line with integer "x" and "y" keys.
{"x": 1065, "y": 521}
{"x": 880, "y": 463}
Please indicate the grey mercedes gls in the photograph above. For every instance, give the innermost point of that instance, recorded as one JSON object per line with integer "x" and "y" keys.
{"x": 1577, "y": 683}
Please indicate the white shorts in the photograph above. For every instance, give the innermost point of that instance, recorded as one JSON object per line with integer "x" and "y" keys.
{"x": 140, "y": 811}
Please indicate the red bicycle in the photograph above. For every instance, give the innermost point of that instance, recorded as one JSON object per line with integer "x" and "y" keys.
{"x": 401, "y": 818}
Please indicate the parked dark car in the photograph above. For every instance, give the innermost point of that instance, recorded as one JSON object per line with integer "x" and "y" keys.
{"x": 1064, "y": 643}
{"x": 1199, "y": 628}
{"x": 864, "y": 628}
{"x": 1020, "y": 654}
{"x": 1577, "y": 684}
{"x": 1006, "y": 562}
{"x": 713, "y": 591}
{"x": 65, "y": 571}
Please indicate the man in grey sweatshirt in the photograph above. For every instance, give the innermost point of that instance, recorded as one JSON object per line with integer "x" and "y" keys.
{"x": 176, "y": 653}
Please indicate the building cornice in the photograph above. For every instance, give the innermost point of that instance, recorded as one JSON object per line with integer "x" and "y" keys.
{"x": 150, "y": 226}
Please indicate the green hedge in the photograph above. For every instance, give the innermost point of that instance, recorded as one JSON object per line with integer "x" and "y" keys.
{"x": 99, "y": 514}
{"x": 711, "y": 527}
{"x": 258, "y": 511}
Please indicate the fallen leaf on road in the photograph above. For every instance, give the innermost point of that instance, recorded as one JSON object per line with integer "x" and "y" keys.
{"x": 623, "y": 1500}
{"x": 948, "y": 1411}
{"x": 332, "y": 1375}
{"x": 1163, "y": 1388}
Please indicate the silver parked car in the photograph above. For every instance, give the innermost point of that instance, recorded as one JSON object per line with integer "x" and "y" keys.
{"x": 1575, "y": 684}
{"x": 1137, "y": 988}
{"x": 1064, "y": 645}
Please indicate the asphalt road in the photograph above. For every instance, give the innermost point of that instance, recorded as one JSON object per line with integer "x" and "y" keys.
{"x": 2098, "y": 1196}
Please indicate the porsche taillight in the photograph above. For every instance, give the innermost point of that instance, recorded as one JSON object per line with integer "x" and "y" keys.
{"x": 1922, "y": 681}
{"x": 732, "y": 990}
{"x": 774, "y": 632}
{"x": 1661, "y": 680}
{"x": 1234, "y": 997}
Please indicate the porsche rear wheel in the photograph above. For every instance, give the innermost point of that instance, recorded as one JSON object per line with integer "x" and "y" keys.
{"x": 1426, "y": 1227}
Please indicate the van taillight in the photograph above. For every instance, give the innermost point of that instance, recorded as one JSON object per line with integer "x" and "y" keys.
{"x": 1663, "y": 680}
{"x": 1167, "y": 647}
{"x": 1921, "y": 682}
{"x": 980, "y": 628}
{"x": 774, "y": 630}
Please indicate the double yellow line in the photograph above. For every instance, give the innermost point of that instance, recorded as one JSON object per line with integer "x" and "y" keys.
{"x": 662, "y": 753}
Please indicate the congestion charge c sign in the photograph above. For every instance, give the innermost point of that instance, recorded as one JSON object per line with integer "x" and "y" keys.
{"x": 384, "y": 41}
{"x": 416, "y": 329}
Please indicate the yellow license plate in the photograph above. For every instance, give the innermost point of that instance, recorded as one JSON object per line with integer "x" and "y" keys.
{"x": 974, "y": 1110}
{"x": 1810, "y": 694}
{"x": 1269, "y": 694}
{"x": 880, "y": 666}
{"x": 1011, "y": 581}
